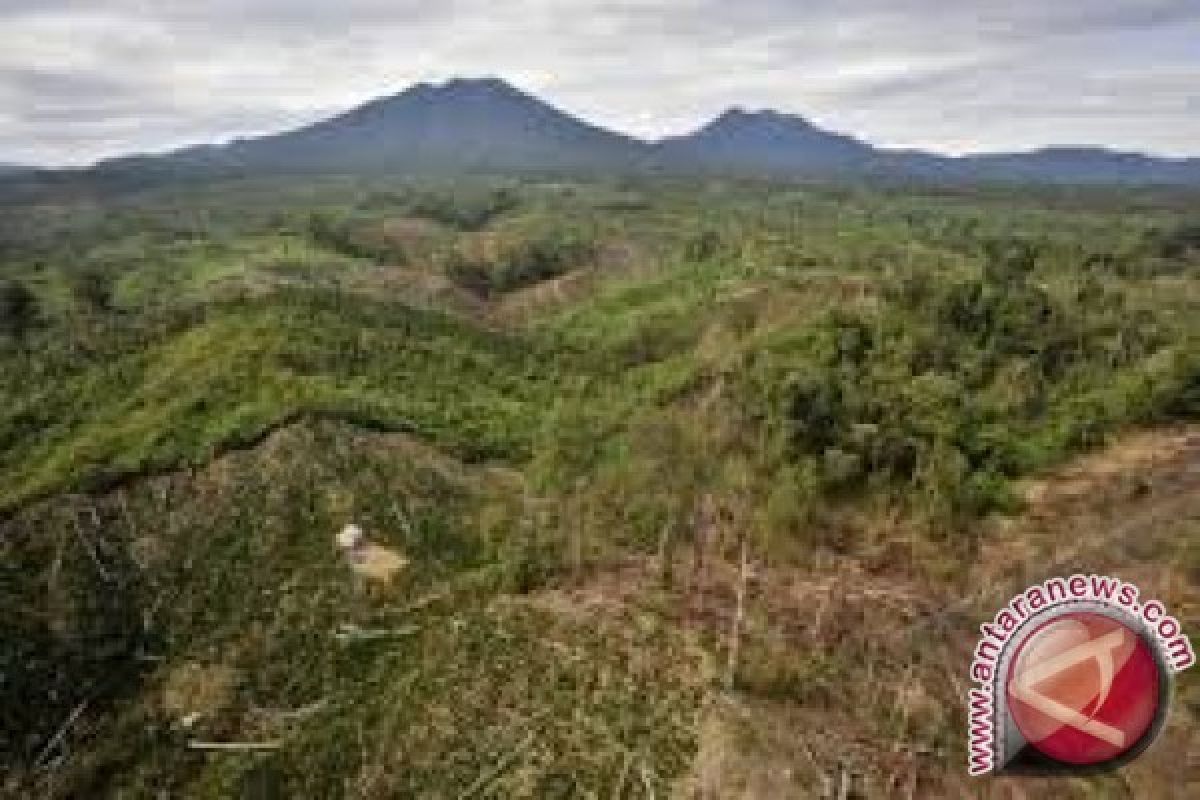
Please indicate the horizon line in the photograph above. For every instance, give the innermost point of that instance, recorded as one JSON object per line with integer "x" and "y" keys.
{"x": 217, "y": 142}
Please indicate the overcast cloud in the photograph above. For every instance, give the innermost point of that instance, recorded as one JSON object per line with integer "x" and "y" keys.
{"x": 80, "y": 80}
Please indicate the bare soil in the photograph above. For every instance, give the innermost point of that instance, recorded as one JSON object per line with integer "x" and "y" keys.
{"x": 853, "y": 678}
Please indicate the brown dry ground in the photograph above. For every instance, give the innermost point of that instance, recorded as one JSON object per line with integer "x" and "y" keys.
{"x": 854, "y": 670}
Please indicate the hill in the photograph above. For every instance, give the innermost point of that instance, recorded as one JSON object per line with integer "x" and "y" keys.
{"x": 698, "y": 488}
{"x": 1078, "y": 165}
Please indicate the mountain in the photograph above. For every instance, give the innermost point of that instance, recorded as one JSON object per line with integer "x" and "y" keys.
{"x": 763, "y": 143}
{"x": 769, "y": 143}
{"x": 1079, "y": 165}
{"x": 461, "y": 126}
{"x": 485, "y": 125}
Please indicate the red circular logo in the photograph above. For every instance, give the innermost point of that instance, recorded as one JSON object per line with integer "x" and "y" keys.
{"x": 1084, "y": 688}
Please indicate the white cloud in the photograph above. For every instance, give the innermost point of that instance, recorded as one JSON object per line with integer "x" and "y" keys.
{"x": 81, "y": 80}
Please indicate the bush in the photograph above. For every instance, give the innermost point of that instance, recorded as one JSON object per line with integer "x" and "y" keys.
{"x": 345, "y": 237}
{"x": 953, "y": 384}
{"x": 463, "y": 212}
{"x": 521, "y": 264}
{"x": 1181, "y": 242}
{"x": 93, "y": 288}
{"x": 19, "y": 310}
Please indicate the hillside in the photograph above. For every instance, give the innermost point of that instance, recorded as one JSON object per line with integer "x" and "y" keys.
{"x": 528, "y": 393}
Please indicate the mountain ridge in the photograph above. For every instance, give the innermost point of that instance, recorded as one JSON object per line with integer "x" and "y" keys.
{"x": 486, "y": 125}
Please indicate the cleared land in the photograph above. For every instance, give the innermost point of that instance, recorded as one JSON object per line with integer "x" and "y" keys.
{"x": 611, "y": 430}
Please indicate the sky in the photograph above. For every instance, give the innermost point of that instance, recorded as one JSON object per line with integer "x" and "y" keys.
{"x": 82, "y": 80}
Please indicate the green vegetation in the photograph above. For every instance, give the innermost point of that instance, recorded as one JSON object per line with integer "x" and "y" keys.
{"x": 528, "y": 390}
{"x": 18, "y": 309}
{"x": 520, "y": 264}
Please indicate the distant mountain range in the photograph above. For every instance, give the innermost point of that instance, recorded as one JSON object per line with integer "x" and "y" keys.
{"x": 487, "y": 126}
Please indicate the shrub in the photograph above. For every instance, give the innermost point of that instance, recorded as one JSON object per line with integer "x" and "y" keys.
{"x": 93, "y": 288}
{"x": 19, "y": 310}
{"x": 520, "y": 264}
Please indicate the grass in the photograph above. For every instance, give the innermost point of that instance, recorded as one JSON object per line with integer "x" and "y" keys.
{"x": 237, "y": 586}
{"x": 246, "y": 367}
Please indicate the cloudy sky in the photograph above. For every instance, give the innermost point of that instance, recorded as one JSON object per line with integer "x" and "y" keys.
{"x": 84, "y": 79}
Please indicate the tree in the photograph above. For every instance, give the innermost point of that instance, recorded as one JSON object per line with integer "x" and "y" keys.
{"x": 94, "y": 289}
{"x": 18, "y": 309}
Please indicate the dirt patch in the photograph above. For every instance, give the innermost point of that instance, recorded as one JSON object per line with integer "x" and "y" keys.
{"x": 1108, "y": 509}
{"x": 851, "y": 678}
{"x": 406, "y": 230}
{"x": 195, "y": 688}
{"x": 368, "y": 560}
{"x": 1131, "y": 465}
{"x": 611, "y": 591}
{"x": 414, "y": 285}
{"x": 545, "y": 295}
{"x": 377, "y": 563}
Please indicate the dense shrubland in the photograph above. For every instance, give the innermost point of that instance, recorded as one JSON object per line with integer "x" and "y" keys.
{"x": 951, "y": 386}
{"x": 922, "y": 346}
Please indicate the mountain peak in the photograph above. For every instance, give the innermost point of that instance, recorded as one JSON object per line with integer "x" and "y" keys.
{"x": 462, "y": 125}
{"x": 488, "y": 83}
{"x": 467, "y": 87}
{"x": 765, "y": 142}
{"x": 449, "y": 92}
{"x": 737, "y": 116}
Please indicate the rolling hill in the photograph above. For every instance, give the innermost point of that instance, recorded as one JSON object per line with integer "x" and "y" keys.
{"x": 698, "y": 488}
